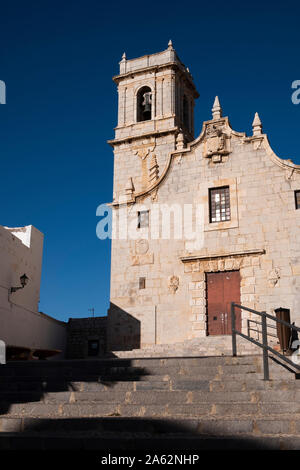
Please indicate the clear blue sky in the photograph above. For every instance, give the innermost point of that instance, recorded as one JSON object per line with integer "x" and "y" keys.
{"x": 57, "y": 59}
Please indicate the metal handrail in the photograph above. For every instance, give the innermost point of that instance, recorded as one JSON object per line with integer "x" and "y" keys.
{"x": 249, "y": 328}
{"x": 264, "y": 345}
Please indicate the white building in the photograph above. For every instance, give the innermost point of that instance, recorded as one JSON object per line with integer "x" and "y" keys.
{"x": 21, "y": 324}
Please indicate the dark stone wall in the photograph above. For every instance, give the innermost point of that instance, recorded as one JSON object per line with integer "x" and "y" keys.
{"x": 82, "y": 330}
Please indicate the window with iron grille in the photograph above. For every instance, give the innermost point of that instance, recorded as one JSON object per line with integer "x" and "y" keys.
{"x": 143, "y": 219}
{"x": 297, "y": 199}
{"x": 219, "y": 204}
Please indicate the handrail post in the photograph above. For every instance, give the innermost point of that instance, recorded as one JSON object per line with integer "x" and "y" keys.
{"x": 265, "y": 346}
{"x": 233, "y": 329}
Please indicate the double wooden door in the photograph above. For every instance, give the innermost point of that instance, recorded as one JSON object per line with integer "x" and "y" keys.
{"x": 222, "y": 289}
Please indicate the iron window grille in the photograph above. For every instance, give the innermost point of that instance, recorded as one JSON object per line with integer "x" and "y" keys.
{"x": 219, "y": 204}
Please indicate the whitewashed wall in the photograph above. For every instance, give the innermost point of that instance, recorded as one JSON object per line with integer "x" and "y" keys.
{"x": 21, "y": 324}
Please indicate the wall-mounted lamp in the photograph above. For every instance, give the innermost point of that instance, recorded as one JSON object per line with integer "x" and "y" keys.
{"x": 23, "y": 280}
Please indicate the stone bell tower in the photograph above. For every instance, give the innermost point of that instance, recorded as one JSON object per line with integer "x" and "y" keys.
{"x": 155, "y": 116}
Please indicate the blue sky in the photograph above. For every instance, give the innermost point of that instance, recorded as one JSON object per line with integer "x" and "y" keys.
{"x": 57, "y": 60}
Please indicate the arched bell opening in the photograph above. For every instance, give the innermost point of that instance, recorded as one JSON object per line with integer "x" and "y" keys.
{"x": 144, "y": 104}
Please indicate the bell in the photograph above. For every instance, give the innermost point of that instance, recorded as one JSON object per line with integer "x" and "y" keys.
{"x": 147, "y": 102}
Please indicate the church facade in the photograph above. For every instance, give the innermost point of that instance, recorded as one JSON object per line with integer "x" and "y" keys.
{"x": 197, "y": 222}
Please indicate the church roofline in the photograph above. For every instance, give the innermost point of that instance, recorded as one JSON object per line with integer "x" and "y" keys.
{"x": 286, "y": 164}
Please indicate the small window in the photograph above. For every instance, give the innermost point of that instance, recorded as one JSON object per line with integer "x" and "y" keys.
{"x": 93, "y": 347}
{"x": 142, "y": 283}
{"x": 219, "y": 204}
{"x": 297, "y": 199}
{"x": 143, "y": 219}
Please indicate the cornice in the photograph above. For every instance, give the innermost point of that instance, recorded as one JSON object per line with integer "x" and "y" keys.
{"x": 156, "y": 68}
{"x": 206, "y": 257}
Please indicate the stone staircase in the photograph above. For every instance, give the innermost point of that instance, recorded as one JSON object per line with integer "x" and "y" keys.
{"x": 207, "y": 346}
{"x": 153, "y": 404}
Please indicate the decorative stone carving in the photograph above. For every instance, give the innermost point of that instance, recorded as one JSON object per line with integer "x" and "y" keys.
{"x": 216, "y": 143}
{"x": 257, "y": 143}
{"x": 173, "y": 284}
{"x": 221, "y": 265}
{"x": 141, "y": 247}
{"x": 153, "y": 170}
{"x": 127, "y": 193}
{"x": 274, "y": 277}
{"x": 180, "y": 144}
{"x": 154, "y": 195}
{"x": 143, "y": 153}
{"x": 217, "y": 110}
{"x": 257, "y": 125}
{"x": 139, "y": 260}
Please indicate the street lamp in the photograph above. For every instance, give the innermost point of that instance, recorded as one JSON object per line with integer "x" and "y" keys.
{"x": 23, "y": 280}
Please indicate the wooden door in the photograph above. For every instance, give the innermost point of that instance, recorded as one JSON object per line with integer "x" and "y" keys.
{"x": 222, "y": 289}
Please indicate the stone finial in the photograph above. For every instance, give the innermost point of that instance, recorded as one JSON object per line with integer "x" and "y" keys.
{"x": 129, "y": 188}
{"x": 170, "y": 45}
{"x": 124, "y": 56}
{"x": 180, "y": 144}
{"x": 153, "y": 170}
{"x": 127, "y": 193}
{"x": 257, "y": 125}
{"x": 217, "y": 110}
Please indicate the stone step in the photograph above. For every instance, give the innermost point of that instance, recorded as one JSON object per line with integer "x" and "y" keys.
{"x": 208, "y": 426}
{"x": 42, "y": 367}
{"x": 135, "y": 368}
{"x": 135, "y": 372}
{"x": 161, "y": 411}
{"x": 149, "y": 444}
{"x": 107, "y": 361}
{"x": 217, "y": 349}
{"x": 100, "y": 382}
{"x": 148, "y": 397}
{"x": 155, "y": 383}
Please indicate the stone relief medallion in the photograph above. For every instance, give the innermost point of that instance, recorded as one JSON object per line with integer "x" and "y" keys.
{"x": 173, "y": 284}
{"x": 274, "y": 277}
{"x": 141, "y": 247}
{"x": 216, "y": 143}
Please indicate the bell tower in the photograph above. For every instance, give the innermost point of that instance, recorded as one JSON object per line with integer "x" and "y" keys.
{"x": 156, "y": 95}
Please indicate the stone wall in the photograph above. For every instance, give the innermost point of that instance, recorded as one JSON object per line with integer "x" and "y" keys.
{"x": 261, "y": 239}
{"x": 82, "y": 330}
